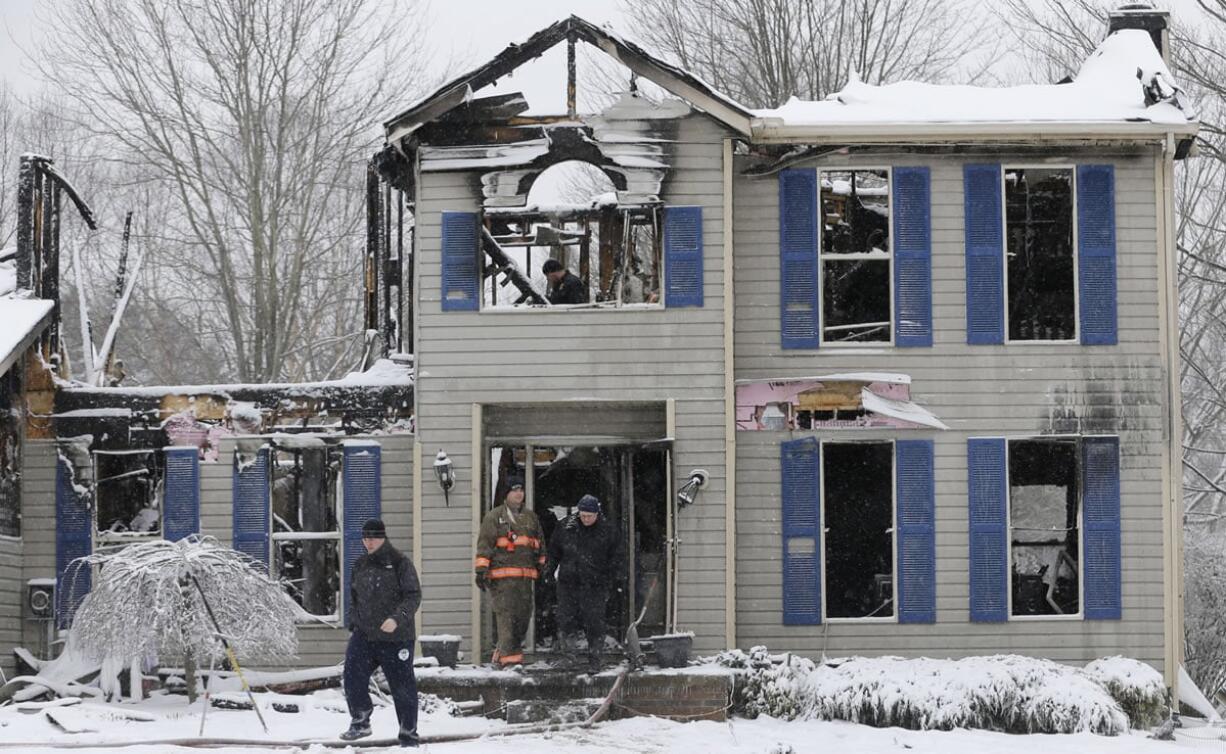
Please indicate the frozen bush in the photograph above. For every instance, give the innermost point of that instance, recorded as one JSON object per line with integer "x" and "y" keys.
{"x": 1136, "y": 687}
{"x": 1004, "y": 693}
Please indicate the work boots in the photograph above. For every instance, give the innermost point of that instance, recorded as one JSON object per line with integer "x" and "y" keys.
{"x": 359, "y": 727}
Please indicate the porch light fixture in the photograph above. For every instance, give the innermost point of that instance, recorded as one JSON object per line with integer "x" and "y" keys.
{"x": 689, "y": 491}
{"x": 444, "y": 473}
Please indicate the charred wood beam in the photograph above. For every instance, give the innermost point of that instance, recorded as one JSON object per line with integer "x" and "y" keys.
{"x": 83, "y": 208}
{"x": 370, "y": 270}
{"x": 571, "y": 91}
{"x": 25, "y": 224}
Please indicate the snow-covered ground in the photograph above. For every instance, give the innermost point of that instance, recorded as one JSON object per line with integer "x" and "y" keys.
{"x": 322, "y": 716}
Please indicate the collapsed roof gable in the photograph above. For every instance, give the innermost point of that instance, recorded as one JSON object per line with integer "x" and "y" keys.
{"x": 676, "y": 81}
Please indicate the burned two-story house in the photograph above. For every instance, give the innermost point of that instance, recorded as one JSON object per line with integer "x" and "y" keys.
{"x": 890, "y": 373}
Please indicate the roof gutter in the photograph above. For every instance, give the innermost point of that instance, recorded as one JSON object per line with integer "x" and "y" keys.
{"x": 774, "y": 130}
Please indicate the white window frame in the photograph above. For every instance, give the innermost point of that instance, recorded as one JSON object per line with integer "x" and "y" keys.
{"x": 822, "y": 530}
{"x": 274, "y": 563}
{"x": 592, "y": 306}
{"x": 1081, "y": 592}
{"x": 823, "y": 258}
{"x": 112, "y": 540}
{"x": 1004, "y": 224}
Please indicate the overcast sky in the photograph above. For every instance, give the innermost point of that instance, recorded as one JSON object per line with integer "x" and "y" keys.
{"x": 462, "y": 32}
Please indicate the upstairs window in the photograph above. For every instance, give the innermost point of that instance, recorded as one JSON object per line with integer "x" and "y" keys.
{"x": 856, "y": 256}
{"x": 1039, "y": 252}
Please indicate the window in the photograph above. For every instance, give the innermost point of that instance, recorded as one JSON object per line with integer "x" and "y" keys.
{"x": 10, "y": 454}
{"x": 1044, "y": 527}
{"x": 856, "y": 258}
{"x": 609, "y": 255}
{"x": 128, "y": 494}
{"x": 306, "y": 534}
{"x": 858, "y": 527}
{"x": 1039, "y": 254}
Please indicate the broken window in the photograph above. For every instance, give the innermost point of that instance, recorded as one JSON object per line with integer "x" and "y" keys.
{"x": 1039, "y": 254}
{"x": 858, "y": 513}
{"x": 607, "y": 253}
{"x": 856, "y": 256}
{"x": 1044, "y": 511}
{"x": 10, "y": 454}
{"x": 128, "y": 493}
{"x": 305, "y": 526}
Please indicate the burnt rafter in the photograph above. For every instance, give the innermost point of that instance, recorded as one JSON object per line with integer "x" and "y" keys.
{"x": 677, "y": 81}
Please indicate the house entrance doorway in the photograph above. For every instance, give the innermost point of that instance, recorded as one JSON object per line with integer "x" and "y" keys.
{"x": 631, "y": 480}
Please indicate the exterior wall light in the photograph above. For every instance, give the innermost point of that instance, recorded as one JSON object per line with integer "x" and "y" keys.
{"x": 445, "y": 474}
{"x": 689, "y": 491}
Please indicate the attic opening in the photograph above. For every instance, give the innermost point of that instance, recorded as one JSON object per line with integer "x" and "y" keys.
{"x": 573, "y": 244}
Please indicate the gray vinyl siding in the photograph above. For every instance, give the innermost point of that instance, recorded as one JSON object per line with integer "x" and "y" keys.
{"x": 12, "y": 601}
{"x": 536, "y": 357}
{"x": 37, "y": 527}
{"x": 1009, "y": 390}
{"x": 318, "y": 644}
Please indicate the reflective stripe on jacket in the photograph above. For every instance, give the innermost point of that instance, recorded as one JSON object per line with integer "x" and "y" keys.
{"x": 509, "y": 541}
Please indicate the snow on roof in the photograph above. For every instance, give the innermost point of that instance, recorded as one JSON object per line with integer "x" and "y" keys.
{"x": 8, "y": 274}
{"x": 382, "y": 373}
{"x": 24, "y": 319}
{"x": 1124, "y": 80}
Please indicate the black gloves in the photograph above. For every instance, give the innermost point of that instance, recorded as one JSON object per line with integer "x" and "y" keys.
{"x": 482, "y": 580}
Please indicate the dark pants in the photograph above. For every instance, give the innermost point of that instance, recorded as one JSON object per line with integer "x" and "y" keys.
{"x": 582, "y": 607}
{"x": 362, "y": 656}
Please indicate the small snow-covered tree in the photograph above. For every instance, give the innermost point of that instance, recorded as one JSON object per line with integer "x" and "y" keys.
{"x": 148, "y": 599}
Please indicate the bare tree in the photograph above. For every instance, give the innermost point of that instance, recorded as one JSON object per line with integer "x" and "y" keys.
{"x": 761, "y": 52}
{"x": 1055, "y": 36}
{"x": 253, "y": 118}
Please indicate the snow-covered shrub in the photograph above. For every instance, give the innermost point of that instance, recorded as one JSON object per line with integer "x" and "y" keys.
{"x": 146, "y": 601}
{"x": 768, "y": 688}
{"x": 1137, "y": 687}
{"x": 1004, "y": 693}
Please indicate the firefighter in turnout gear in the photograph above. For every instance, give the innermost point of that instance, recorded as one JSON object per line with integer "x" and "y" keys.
{"x": 510, "y": 550}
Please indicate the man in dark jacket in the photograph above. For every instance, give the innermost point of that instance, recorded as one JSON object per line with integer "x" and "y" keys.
{"x": 586, "y": 553}
{"x": 564, "y": 286}
{"x": 384, "y": 594}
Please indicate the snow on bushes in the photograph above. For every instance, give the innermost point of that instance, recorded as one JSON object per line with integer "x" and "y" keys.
{"x": 1137, "y": 687}
{"x": 1005, "y": 693}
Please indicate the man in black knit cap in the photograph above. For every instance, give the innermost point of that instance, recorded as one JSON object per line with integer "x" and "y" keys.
{"x": 384, "y": 594}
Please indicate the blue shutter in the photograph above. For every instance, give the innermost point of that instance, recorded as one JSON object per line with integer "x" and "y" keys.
{"x": 1096, "y": 254}
{"x": 461, "y": 272}
{"x": 363, "y": 500}
{"x": 682, "y": 256}
{"x": 917, "y": 558}
{"x": 1100, "y": 496}
{"x": 985, "y": 255}
{"x": 800, "y": 462}
{"x": 912, "y": 240}
{"x": 799, "y": 314}
{"x": 249, "y": 521}
{"x": 181, "y": 493}
{"x": 74, "y": 538}
{"x": 987, "y": 492}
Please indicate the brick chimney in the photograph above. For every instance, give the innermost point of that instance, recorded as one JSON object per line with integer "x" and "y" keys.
{"x": 1143, "y": 15}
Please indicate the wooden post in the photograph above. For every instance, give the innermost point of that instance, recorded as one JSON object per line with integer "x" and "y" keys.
{"x": 571, "y": 96}
{"x": 373, "y": 227}
{"x": 25, "y": 224}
